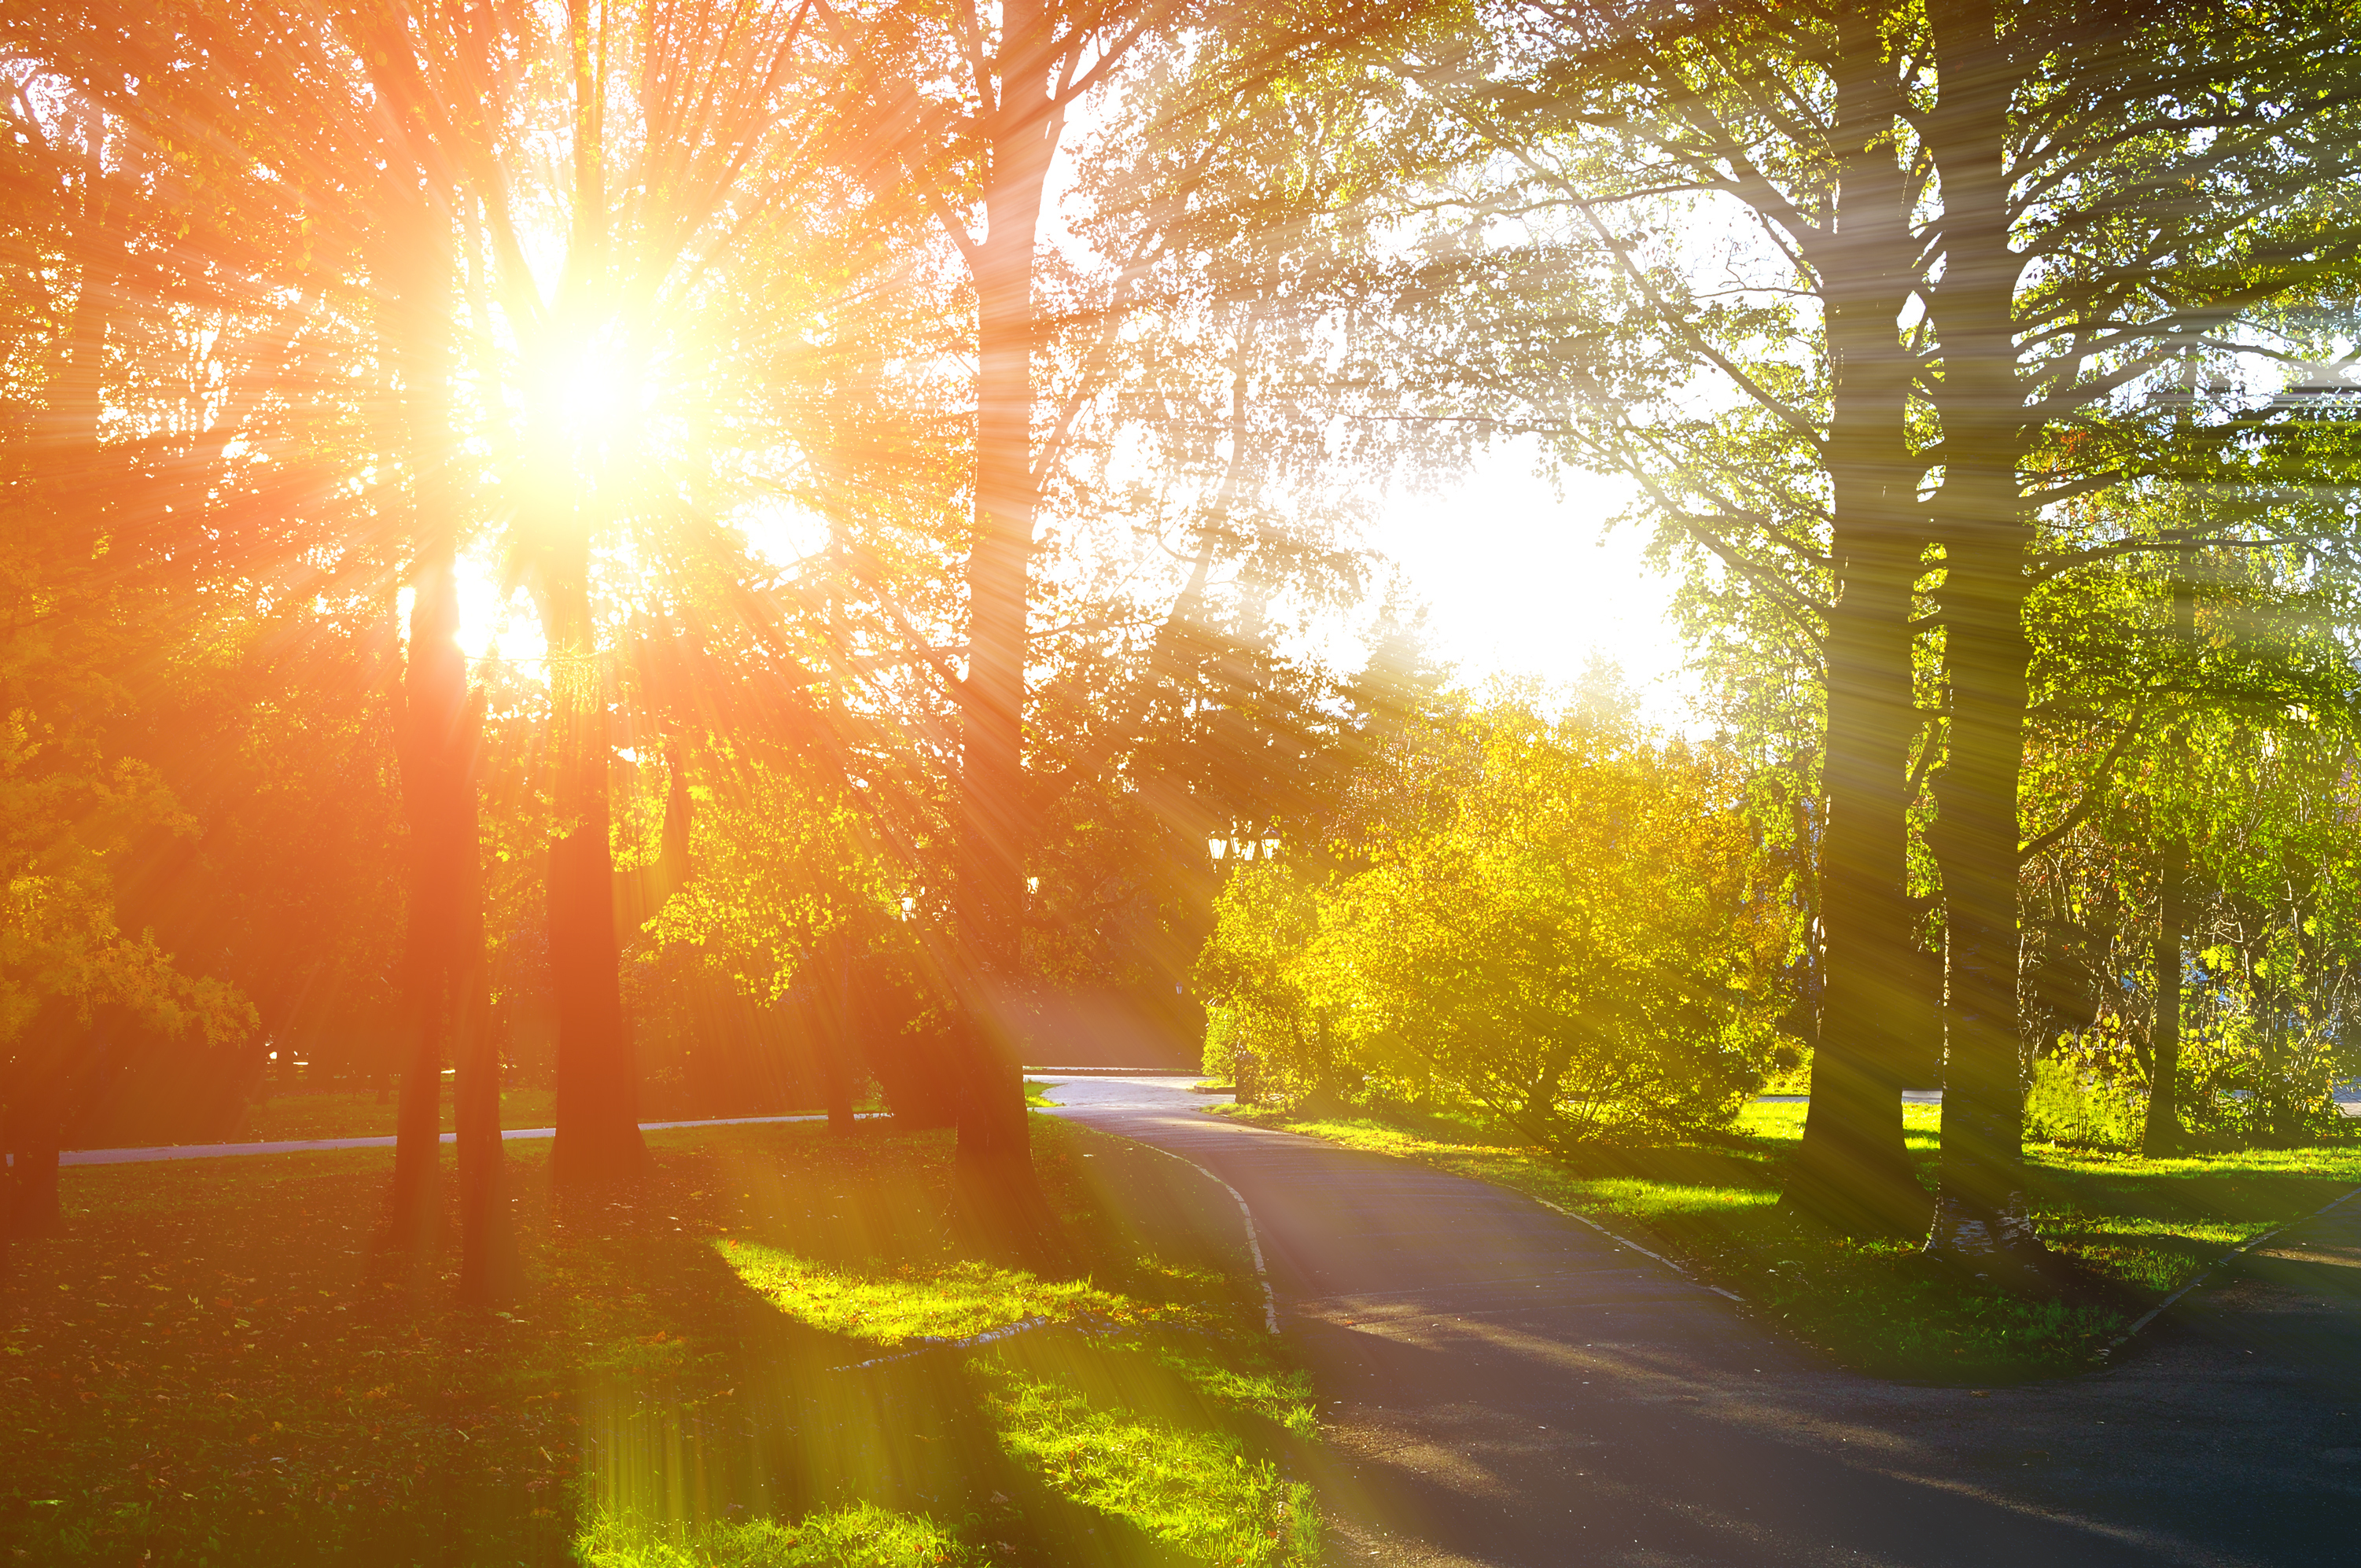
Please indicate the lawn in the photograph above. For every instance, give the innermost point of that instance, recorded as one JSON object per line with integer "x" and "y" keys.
{"x": 2142, "y": 1227}
{"x": 334, "y": 1114}
{"x": 216, "y": 1366}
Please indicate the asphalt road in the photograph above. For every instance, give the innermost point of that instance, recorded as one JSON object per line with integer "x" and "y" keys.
{"x": 1506, "y": 1385}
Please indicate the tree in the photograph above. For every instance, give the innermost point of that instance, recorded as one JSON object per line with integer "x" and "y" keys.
{"x": 978, "y": 111}
{"x": 1982, "y": 229}
{"x": 2119, "y": 191}
{"x": 1558, "y": 173}
{"x": 1559, "y": 925}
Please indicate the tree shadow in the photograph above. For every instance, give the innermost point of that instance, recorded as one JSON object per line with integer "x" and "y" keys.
{"x": 806, "y": 1420}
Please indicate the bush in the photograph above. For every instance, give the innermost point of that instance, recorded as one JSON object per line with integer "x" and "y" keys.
{"x": 2067, "y": 1103}
{"x": 1561, "y": 926}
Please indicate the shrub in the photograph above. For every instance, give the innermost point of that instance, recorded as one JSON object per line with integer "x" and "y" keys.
{"x": 2069, "y": 1103}
{"x": 1559, "y": 925}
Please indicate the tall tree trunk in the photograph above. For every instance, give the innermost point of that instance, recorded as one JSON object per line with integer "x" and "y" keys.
{"x": 489, "y": 1272}
{"x": 433, "y": 704}
{"x": 995, "y": 1158}
{"x": 46, "y": 1058}
{"x": 2162, "y": 1135}
{"x": 1852, "y": 1170}
{"x": 839, "y": 1042}
{"x": 597, "y": 1078}
{"x": 448, "y": 989}
{"x": 1984, "y": 1220}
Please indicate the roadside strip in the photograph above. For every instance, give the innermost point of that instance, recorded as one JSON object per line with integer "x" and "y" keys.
{"x": 314, "y": 1146}
{"x": 2203, "y": 1275}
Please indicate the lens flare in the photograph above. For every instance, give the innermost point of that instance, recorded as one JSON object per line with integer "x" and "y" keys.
{"x": 589, "y": 401}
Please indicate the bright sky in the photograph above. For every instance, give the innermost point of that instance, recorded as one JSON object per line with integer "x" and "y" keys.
{"x": 1517, "y": 579}
{"x": 1520, "y": 579}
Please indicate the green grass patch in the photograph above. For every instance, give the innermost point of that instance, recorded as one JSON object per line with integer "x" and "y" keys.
{"x": 218, "y": 1365}
{"x": 1191, "y": 1488}
{"x": 854, "y": 1537}
{"x": 949, "y": 1301}
{"x": 303, "y": 1114}
{"x": 2143, "y": 1226}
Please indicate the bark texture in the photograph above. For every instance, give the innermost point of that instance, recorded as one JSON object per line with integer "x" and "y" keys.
{"x": 1982, "y": 1220}
{"x": 1851, "y": 1171}
{"x": 597, "y": 1078}
{"x": 995, "y": 1157}
{"x": 2162, "y": 1135}
{"x": 447, "y": 985}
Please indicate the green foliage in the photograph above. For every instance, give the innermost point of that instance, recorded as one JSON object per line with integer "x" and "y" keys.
{"x": 2067, "y": 1104}
{"x": 2271, "y": 1005}
{"x": 1560, "y": 924}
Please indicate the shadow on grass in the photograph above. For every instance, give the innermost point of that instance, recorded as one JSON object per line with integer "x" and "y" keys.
{"x": 210, "y": 1369}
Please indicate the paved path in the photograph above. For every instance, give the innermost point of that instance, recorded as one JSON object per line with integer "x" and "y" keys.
{"x": 1505, "y": 1385}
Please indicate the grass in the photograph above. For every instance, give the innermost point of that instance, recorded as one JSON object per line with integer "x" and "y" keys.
{"x": 863, "y": 1533}
{"x": 2142, "y": 1227}
{"x": 331, "y": 1113}
{"x": 218, "y": 1367}
{"x": 308, "y": 1113}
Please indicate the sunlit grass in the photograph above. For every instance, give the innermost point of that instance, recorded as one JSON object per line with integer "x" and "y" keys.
{"x": 232, "y": 1375}
{"x": 861, "y": 1536}
{"x": 1195, "y": 1489}
{"x": 2142, "y": 1227}
{"x": 1281, "y": 1395}
{"x": 950, "y": 1302}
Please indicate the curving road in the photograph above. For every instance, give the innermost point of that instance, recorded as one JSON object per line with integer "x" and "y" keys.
{"x": 1507, "y": 1386}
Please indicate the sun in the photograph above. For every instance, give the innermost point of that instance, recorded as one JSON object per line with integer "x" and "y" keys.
{"x": 590, "y": 399}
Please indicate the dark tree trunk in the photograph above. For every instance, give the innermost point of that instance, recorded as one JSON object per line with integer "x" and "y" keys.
{"x": 1984, "y": 1221}
{"x": 598, "y": 1080}
{"x": 432, "y": 739}
{"x": 32, "y": 1198}
{"x": 1851, "y": 1171}
{"x": 2163, "y": 1135}
{"x": 433, "y": 704}
{"x": 839, "y": 1042}
{"x": 995, "y": 1159}
{"x": 489, "y": 1272}
{"x": 1983, "y": 1216}
{"x": 55, "y": 1047}
{"x": 448, "y": 996}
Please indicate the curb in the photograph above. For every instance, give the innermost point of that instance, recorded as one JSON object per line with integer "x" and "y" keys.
{"x": 1253, "y": 1241}
{"x": 2203, "y": 1275}
{"x": 1682, "y": 1269}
